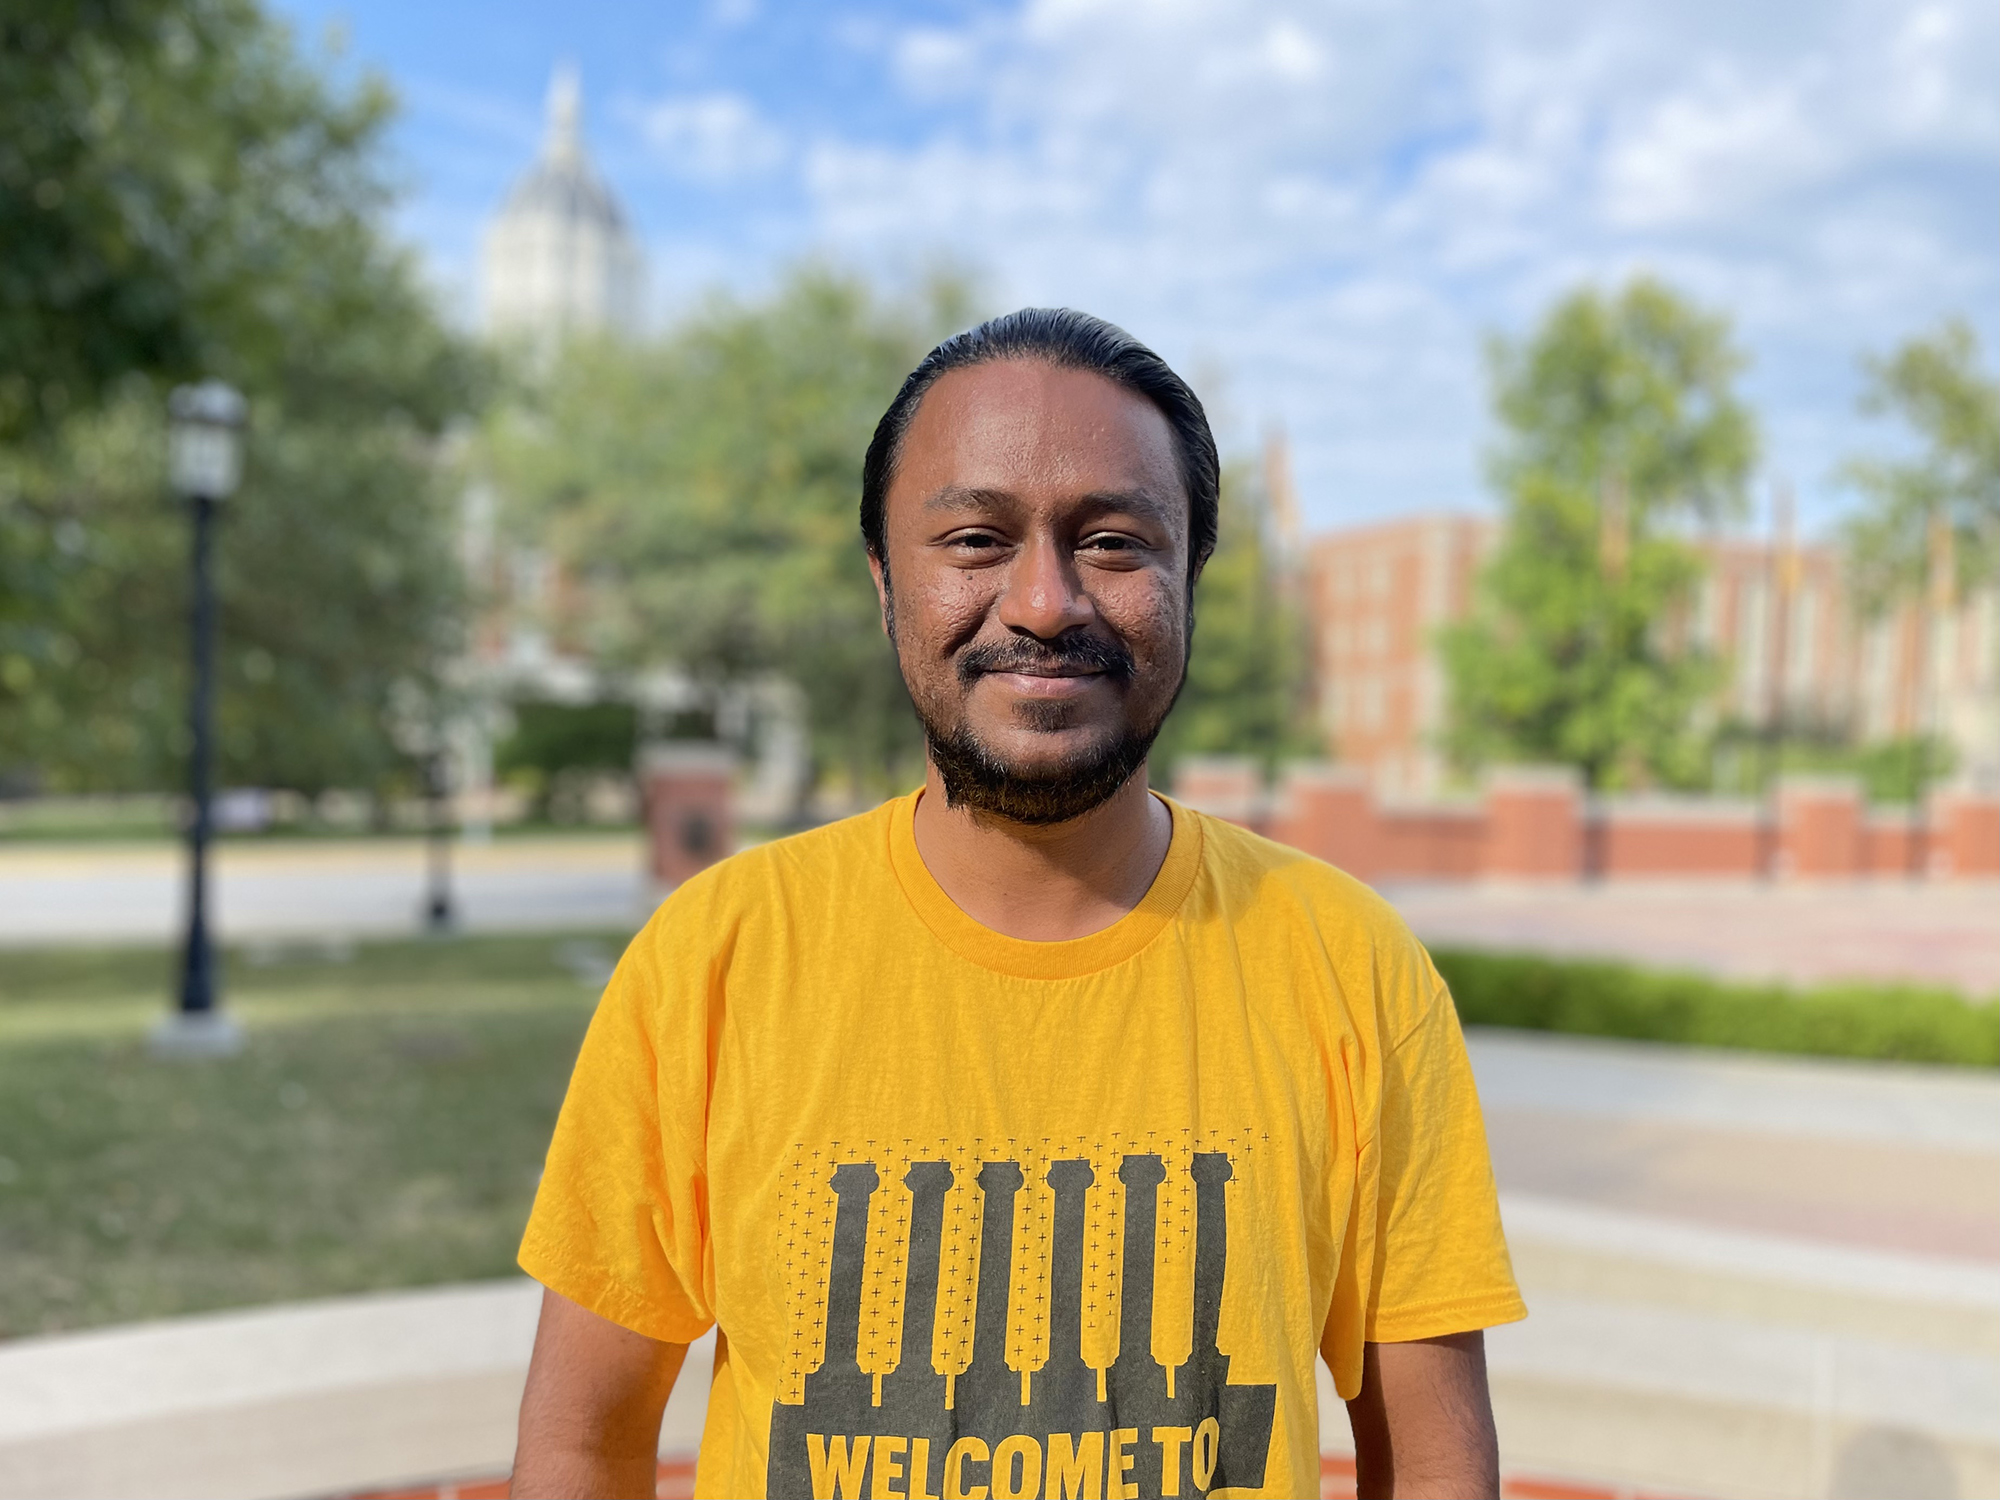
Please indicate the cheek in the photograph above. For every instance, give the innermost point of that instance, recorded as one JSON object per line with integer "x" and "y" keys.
{"x": 1150, "y": 615}
{"x": 943, "y": 612}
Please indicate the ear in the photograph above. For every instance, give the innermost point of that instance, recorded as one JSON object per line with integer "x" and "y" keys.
{"x": 881, "y": 577}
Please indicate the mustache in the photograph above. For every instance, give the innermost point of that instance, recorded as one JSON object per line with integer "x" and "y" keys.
{"x": 1077, "y": 653}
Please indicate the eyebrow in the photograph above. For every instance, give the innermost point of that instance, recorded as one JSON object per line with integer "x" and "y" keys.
{"x": 962, "y": 497}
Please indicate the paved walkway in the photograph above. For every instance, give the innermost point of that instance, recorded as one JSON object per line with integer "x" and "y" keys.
{"x": 88, "y": 893}
{"x": 1943, "y": 933}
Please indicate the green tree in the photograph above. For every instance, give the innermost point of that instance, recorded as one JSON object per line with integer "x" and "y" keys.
{"x": 1620, "y": 424}
{"x": 1949, "y": 488}
{"x": 156, "y": 156}
{"x": 1247, "y": 683}
{"x": 705, "y": 486}
{"x": 222, "y": 203}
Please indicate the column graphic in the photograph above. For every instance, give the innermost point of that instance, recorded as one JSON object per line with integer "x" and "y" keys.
{"x": 917, "y": 1432}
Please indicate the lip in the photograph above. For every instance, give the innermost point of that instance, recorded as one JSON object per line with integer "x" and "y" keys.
{"x": 1057, "y": 684}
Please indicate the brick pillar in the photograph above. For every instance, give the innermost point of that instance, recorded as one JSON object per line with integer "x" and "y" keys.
{"x": 688, "y": 791}
{"x": 1329, "y": 812}
{"x": 1534, "y": 823}
{"x": 1965, "y": 835}
{"x": 1820, "y": 828}
{"x": 1228, "y": 786}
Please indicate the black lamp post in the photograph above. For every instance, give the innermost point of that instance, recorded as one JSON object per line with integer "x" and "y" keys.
{"x": 439, "y": 915}
{"x": 204, "y": 462}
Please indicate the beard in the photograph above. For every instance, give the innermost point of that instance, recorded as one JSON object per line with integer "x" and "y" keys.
{"x": 978, "y": 777}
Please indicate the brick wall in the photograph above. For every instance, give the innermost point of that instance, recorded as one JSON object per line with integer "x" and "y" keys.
{"x": 1679, "y": 836}
{"x": 1534, "y": 823}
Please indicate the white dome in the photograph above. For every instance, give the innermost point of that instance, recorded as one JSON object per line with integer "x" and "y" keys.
{"x": 559, "y": 258}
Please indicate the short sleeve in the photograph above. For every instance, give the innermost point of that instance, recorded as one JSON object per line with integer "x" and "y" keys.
{"x": 1425, "y": 1254}
{"x": 620, "y": 1220}
{"x": 1441, "y": 1263}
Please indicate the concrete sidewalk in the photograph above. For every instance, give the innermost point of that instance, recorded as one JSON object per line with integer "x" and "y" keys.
{"x": 131, "y": 893}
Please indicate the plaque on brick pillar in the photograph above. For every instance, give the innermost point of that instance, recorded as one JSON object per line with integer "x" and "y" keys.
{"x": 688, "y": 792}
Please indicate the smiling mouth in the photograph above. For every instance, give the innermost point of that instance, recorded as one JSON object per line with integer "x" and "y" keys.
{"x": 1065, "y": 666}
{"x": 1048, "y": 682}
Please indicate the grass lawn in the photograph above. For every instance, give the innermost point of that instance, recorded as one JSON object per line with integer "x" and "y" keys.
{"x": 383, "y": 1127}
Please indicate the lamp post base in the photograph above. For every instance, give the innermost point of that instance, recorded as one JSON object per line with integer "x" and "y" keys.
{"x": 194, "y": 1034}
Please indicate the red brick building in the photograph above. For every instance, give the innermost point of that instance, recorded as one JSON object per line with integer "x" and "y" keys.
{"x": 1377, "y": 596}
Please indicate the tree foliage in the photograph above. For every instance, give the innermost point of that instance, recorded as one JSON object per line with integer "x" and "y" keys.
{"x": 155, "y": 155}
{"x": 190, "y": 196}
{"x": 1620, "y": 424}
{"x": 703, "y": 489}
{"x": 1936, "y": 385}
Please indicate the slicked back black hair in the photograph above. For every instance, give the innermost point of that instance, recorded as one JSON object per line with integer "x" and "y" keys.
{"x": 1069, "y": 340}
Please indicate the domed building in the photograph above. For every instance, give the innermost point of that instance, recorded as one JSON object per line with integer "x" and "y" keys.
{"x": 559, "y": 257}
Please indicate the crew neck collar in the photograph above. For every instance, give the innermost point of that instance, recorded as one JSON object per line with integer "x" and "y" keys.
{"x": 1071, "y": 958}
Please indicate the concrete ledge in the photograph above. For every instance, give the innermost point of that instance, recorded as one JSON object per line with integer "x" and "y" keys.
{"x": 1664, "y": 1356}
{"x": 226, "y": 1360}
{"x": 1655, "y": 1442}
{"x": 305, "y": 1399}
{"x": 333, "y": 1441}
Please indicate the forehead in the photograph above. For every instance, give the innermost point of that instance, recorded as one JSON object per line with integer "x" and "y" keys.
{"x": 1035, "y": 431}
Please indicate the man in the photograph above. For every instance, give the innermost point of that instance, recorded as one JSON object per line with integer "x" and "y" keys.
{"x": 1029, "y": 1135}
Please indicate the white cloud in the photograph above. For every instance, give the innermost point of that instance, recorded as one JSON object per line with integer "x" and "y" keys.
{"x": 1336, "y": 201}
{"x": 930, "y": 63}
{"x": 1291, "y": 54}
{"x": 717, "y": 137}
{"x": 1719, "y": 147}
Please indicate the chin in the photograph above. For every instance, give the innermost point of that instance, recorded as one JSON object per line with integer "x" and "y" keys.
{"x": 1038, "y": 753}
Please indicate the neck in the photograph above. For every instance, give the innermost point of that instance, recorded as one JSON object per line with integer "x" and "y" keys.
{"x": 1045, "y": 884}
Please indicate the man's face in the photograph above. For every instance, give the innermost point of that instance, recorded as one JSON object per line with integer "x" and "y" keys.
{"x": 1037, "y": 588}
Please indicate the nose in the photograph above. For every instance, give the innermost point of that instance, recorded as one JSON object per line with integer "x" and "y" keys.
{"x": 1044, "y": 596}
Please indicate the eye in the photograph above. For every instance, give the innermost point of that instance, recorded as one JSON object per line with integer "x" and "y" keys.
{"x": 975, "y": 543}
{"x": 1111, "y": 541}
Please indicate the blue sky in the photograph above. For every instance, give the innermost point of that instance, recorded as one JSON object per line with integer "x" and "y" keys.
{"x": 1317, "y": 211}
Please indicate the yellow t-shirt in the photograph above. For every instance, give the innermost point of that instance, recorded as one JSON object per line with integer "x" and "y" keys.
{"x": 981, "y": 1217}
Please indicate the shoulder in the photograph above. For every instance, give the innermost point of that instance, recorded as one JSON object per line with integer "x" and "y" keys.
{"x": 1252, "y": 874}
{"x": 1283, "y": 899}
